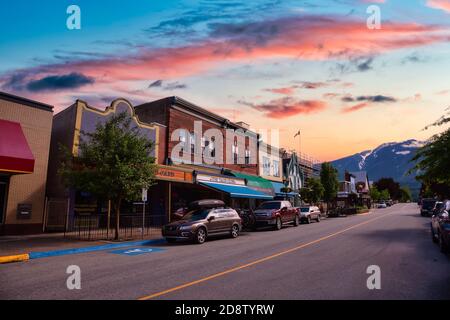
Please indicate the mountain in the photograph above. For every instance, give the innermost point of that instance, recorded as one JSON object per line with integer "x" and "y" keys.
{"x": 387, "y": 160}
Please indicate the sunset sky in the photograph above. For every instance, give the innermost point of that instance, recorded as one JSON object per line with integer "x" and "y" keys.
{"x": 308, "y": 65}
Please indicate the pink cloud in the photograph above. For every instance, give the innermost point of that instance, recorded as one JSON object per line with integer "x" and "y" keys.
{"x": 356, "y": 107}
{"x": 308, "y": 38}
{"x": 439, "y": 4}
{"x": 285, "y": 90}
{"x": 287, "y": 107}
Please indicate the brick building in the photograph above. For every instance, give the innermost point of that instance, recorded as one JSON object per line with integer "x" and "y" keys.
{"x": 25, "y": 130}
{"x": 229, "y": 170}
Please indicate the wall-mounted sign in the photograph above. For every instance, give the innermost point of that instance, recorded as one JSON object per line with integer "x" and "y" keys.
{"x": 220, "y": 179}
{"x": 170, "y": 174}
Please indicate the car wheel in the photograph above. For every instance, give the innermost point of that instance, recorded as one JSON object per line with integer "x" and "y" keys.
{"x": 442, "y": 245}
{"x": 234, "y": 231}
{"x": 200, "y": 236}
{"x": 278, "y": 224}
{"x": 296, "y": 221}
{"x": 308, "y": 220}
{"x": 318, "y": 218}
{"x": 171, "y": 240}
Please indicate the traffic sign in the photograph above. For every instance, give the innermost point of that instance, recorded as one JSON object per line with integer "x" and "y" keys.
{"x": 144, "y": 194}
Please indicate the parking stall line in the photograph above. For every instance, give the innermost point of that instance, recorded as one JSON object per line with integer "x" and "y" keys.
{"x": 250, "y": 264}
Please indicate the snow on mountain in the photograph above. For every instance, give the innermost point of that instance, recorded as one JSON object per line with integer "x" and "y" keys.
{"x": 391, "y": 159}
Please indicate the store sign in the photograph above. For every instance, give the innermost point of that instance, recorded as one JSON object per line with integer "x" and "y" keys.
{"x": 220, "y": 179}
{"x": 173, "y": 175}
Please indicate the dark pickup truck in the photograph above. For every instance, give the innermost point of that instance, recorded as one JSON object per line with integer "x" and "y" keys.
{"x": 276, "y": 213}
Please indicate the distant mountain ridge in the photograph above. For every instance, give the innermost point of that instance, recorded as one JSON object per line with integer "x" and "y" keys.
{"x": 391, "y": 159}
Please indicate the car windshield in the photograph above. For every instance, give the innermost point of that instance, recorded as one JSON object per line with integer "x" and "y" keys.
{"x": 428, "y": 204}
{"x": 270, "y": 205}
{"x": 304, "y": 209}
{"x": 196, "y": 215}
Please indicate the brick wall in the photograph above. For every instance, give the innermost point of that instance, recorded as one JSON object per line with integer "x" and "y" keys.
{"x": 29, "y": 188}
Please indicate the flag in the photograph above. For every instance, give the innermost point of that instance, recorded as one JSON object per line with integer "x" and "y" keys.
{"x": 297, "y": 134}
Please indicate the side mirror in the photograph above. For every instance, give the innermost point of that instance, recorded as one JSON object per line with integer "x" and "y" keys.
{"x": 211, "y": 218}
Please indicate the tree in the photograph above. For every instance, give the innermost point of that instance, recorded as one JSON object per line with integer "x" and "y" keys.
{"x": 390, "y": 185}
{"x": 433, "y": 160}
{"x": 384, "y": 195}
{"x": 330, "y": 183}
{"x": 375, "y": 194}
{"x": 113, "y": 163}
{"x": 313, "y": 191}
{"x": 406, "y": 194}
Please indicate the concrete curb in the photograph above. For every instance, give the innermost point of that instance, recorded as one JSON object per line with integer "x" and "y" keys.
{"x": 15, "y": 258}
{"x": 55, "y": 253}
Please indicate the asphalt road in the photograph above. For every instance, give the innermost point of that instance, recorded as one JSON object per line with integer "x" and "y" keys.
{"x": 326, "y": 260}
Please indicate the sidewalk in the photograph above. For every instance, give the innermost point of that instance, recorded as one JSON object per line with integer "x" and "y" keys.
{"x": 53, "y": 242}
{"x": 12, "y": 245}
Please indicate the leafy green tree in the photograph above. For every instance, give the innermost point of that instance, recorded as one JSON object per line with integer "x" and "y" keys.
{"x": 384, "y": 195}
{"x": 330, "y": 183}
{"x": 390, "y": 185}
{"x": 313, "y": 191}
{"x": 113, "y": 163}
{"x": 406, "y": 194}
{"x": 433, "y": 160}
{"x": 375, "y": 193}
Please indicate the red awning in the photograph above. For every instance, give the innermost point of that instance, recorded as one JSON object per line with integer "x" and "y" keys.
{"x": 15, "y": 153}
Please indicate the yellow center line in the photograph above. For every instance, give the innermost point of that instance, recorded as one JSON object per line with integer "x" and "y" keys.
{"x": 220, "y": 274}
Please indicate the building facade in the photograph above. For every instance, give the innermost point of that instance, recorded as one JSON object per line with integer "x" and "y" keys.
{"x": 65, "y": 204}
{"x": 222, "y": 155}
{"x": 25, "y": 131}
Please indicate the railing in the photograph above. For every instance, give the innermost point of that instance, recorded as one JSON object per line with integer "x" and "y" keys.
{"x": 95, "y": 227}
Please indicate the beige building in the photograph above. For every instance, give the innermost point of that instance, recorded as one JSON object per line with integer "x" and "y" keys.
{"x": 269, "y": 162}
{"x": 25, "y": 130}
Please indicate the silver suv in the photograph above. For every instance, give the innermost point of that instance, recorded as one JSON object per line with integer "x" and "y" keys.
{"x": 309, "y": 213}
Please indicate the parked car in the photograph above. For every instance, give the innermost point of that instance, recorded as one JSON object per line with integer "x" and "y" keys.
{"x": 206, "y": 218}
{"x": 309, "y": 213}
{"x": 207, "y": 203}
{"x": 247, "y": 217}
{"x": 440, "y": 228}
{"x": 426, "y": 208}
{"x": 381, "y": 205}
{"x": 276, "y": 213}
{"x": 437, "y": 207}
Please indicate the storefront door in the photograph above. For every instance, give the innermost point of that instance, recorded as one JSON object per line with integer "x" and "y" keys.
{"x": 3, "y": 197}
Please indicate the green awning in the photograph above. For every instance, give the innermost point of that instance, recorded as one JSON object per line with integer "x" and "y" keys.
{"x": 256, "y": 182}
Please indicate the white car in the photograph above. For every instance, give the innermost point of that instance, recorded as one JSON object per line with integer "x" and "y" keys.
{"x": 308, "y": 213}
{"x": 381, "y": 205}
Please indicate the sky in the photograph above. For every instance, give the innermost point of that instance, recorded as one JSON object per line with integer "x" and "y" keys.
{"x": 313, "y": 66}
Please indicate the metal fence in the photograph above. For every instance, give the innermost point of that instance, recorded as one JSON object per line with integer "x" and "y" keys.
{"x": 95, "y": 227}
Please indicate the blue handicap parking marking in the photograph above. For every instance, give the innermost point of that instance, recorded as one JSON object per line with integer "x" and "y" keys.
{"x": 136, "y": 251}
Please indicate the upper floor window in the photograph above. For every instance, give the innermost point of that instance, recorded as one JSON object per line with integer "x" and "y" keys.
{"x": 235, "y": 151}
{"x": 276, "y": 168}
{"x": 266, "y": 166}
{"x": 247, "y": 156}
